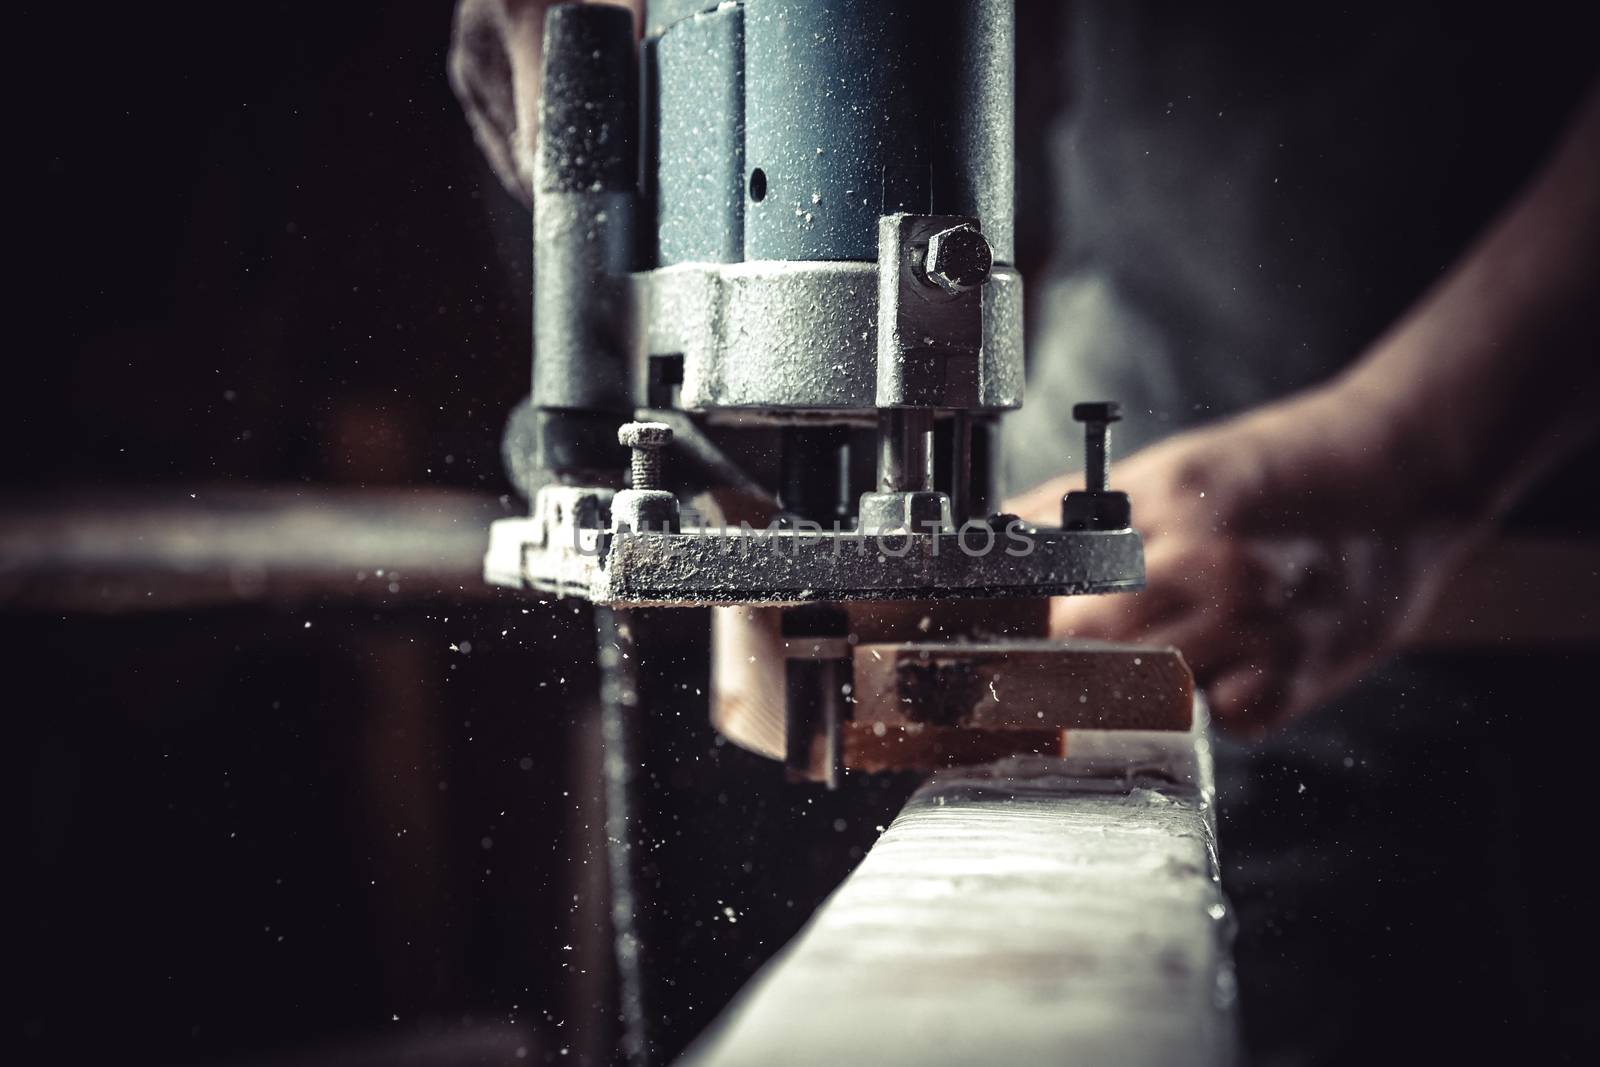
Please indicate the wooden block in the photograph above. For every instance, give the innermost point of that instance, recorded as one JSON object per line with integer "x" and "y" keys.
{"x": 873, "y": 747}
{"x": 1023, "y": 685}
{"x": 945, "y": 620}
{"x": 748, "y": 652}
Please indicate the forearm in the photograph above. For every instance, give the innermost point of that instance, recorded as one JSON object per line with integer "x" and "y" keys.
{"x": 1496, "y": 373}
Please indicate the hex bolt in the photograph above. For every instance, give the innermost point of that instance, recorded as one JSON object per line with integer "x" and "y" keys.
{"x": 1097, "y": 419}
{"x": 959, "y": 259}
{"x": 646, "y": 440}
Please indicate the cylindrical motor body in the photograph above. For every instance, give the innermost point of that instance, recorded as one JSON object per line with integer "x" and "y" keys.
{"x": 778, "y": 134}
{"x": 785, "y": 128}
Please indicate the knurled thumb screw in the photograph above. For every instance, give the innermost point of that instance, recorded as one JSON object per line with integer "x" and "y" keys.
{"x": 1097, "y": 418}
{"x": 646, "y": 440}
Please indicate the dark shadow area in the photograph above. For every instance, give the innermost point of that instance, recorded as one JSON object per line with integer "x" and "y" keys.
{"x": 260, "y": 249}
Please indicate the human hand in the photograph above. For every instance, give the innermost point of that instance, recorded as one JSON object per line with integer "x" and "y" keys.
{"x": 1287, "y": 551}
{"x": 494, "y": 72}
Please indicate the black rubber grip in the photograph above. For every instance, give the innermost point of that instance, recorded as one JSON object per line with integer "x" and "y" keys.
{"x": 589, "y": 110}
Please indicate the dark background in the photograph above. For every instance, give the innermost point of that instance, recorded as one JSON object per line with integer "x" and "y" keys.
{"x": 255, "y": 245}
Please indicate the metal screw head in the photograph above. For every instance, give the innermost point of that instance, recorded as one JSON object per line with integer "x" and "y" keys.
{"x": 959, "y": 259}
{"x": 646, "y": 435}
{"x": 1104, "y": 411}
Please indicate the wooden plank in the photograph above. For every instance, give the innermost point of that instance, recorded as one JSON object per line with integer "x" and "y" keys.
{"x": 876, "y": 746}
{"x": 1114, "y": 686}
{"x": 1030, "y": 911}
{"x": 933, "y": 620}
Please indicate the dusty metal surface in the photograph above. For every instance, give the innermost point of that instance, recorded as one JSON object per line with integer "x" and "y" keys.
{"x": 800, "y": 336}
{"x": 1030, "y": 911}
{"x": 726, "y": 566}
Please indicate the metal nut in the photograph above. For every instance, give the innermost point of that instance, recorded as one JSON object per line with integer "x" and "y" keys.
{"x": 959, "y": 259}
{"x": 921, "y": 511}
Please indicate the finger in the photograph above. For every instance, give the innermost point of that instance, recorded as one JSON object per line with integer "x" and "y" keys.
{"x": 1042, "y": 503}
{"x": 1170, "y": 591}
{"x": 1212, "y": 642}
{"x": 1249, "y": 698}
{"x": 1283, "y": 574}
{"x": 1114, "y": 617}
{"x": 1270, "y": 681}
